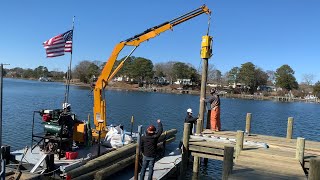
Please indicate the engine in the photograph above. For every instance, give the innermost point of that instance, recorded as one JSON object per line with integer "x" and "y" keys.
{"x": 58, "y": 129}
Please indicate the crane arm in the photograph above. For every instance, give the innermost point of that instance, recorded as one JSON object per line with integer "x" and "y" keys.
{"x": 99, "y": 108}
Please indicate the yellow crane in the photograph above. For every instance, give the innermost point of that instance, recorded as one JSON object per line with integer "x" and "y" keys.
{"x": 99, "y": 104}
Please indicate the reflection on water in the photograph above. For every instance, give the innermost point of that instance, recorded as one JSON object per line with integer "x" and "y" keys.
{"x": 22, "y": 97}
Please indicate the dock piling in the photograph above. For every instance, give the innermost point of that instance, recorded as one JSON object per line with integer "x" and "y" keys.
{"x": 314, "y": 173}
{"x": 239, "y": 142}
{"x": 196, "y": 164}
{"x": 185, "y": 150}
{"x": 205, "y": 160}
{"x": 300, "y": 150}
{"x": 290, "y": 128}
{"x": 136, "y": 164}
{"x": 227, "y": 161}
{"x": 248, "y": 123}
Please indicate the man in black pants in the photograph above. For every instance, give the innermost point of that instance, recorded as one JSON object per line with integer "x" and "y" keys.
{"x": 148, "y": 148}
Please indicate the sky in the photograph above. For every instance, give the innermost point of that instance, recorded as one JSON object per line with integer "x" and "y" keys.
{"x": 267, "y": 33}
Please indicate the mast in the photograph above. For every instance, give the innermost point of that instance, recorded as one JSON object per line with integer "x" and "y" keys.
{"x": 66, "y": 100}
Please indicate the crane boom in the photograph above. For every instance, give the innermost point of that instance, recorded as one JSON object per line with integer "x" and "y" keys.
{"x": 99, "y": 107}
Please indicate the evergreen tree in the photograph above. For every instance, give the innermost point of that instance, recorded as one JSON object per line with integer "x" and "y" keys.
{"x": 316, "y": 89}
{"x": 285, "y": 78}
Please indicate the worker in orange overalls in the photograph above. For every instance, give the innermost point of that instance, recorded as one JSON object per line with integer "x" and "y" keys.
{"x": 214, "y": 100}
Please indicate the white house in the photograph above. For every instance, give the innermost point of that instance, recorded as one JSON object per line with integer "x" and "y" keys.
{"x": 183, "y": 82}
{"x": 122, "y": 78}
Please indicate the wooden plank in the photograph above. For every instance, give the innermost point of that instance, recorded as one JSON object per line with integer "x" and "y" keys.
{"x": 244, "y": 173}
{"x": 269, "y": 164}
{"x": 264, "y": 157}
{"x": 311, "y": 146}
{"x": 206, "y": 150}
{"x": 209, "y": 156}
{"x": 215, "y": 145}
{"x": 276, "y": 171}
{"x": 269, "y": 152}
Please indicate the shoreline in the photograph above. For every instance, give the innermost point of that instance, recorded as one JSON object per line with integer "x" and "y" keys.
{"x": 171, "y": 89}
{"x": 197, "y": 92}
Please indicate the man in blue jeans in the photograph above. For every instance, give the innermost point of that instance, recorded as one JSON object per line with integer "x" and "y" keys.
{"x": 148, "y": 148}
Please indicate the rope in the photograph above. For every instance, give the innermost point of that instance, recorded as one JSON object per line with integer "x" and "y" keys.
{"x": 209, "y": 19}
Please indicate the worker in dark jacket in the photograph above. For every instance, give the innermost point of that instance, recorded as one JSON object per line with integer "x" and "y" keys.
{"x": 148, "y": 148}
{"x": 189, "y": 119}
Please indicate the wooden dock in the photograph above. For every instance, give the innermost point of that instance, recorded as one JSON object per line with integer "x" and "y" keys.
{"x": 278, "y": 161}
{"x": 253, "y": 156}
{"x": 245, "y": 155}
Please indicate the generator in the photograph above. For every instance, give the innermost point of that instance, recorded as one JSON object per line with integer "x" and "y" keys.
{"x": 58, "y": 130}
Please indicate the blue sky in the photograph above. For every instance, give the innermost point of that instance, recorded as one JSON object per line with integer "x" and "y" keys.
{"x": 267, "y": 33}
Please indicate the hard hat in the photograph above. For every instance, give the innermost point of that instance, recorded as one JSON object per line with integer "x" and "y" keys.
{"x": 65, "y": 105}
{"x": 213, "y": 90}
{"x": 189, "y": 110}
{"x": 151, "y": 129}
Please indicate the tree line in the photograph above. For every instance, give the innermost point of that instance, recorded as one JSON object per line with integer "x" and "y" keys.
{"x": 40, "y": 71}
{"x": 247, "y": 78}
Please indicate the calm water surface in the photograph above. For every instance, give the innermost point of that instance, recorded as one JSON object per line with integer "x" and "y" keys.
{"x": 22, "y": 97}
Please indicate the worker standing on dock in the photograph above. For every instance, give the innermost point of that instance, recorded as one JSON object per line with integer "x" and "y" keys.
{"x": 189, "y": 119}
{"x": 214, "y": 100}
{"x": 148, "y": 148}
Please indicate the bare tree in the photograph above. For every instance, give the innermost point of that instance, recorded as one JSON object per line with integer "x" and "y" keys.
{"x": 211, "y": 73}
{"x": 308, "y": 78}
{"x": 168, "y": 71}
{"x": 272, "y": 77}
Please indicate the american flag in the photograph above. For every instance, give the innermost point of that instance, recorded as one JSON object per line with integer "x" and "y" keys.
{"x": 59, "y": 44}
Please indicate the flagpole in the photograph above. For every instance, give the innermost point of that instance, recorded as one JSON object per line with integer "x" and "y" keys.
{"x": 69, "y": 68}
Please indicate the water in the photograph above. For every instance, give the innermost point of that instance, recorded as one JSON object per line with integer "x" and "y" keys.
{"x": 22, "y": 97}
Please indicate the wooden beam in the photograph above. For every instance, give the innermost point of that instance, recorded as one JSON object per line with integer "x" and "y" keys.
{"x": 167, "y": 134}
{"x": 209, "y": 144}
{"x": 106, "y": 172}
{"x": 206, "y": 150}
{"x": 209, "y": 156}
{"x": 102, "y": 160}
{"x": 90, "y": 174}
